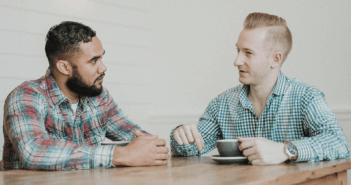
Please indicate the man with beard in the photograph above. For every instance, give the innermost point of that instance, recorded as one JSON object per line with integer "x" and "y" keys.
{"x": 59, "y": 121}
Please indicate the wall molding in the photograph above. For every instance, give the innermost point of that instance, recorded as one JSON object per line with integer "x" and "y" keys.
{"x": 343, "y": 114}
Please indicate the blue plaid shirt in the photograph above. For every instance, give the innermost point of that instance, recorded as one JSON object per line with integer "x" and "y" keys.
{"x": 295, "y": 111}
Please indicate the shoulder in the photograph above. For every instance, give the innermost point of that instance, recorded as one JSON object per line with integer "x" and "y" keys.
{"x": 28, "y": 95}
{"x": 231, "y": 94}
{"x": 32, "y": 87}
{"x": 303, "y": 86}
{"x": 304, "y": 90}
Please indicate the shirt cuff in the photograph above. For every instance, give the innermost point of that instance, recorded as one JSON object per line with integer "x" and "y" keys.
{"x": 102, "y": 156}
{"x": 303, "y": 150}
{"x": 182, "y": 150}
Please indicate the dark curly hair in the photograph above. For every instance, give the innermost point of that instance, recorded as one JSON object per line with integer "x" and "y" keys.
{"x": 63, "y": 40}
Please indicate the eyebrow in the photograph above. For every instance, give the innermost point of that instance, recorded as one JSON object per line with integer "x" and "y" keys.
{"x": 246, "y": 49}
{"x": 97, "y": 57}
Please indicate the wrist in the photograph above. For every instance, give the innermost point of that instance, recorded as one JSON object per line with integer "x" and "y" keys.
{"x": 286, "y": 157}
{"x": 290, "y": 151}
{"x": 118, "y": 158}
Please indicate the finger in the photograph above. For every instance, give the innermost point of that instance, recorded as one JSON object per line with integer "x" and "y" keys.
{"x": 183, "y": 137}
{"x": 243, "y": 139}
{"x": 160, "y": 142}
{"x": 246, "y": 144}
{"x": 257, "y": 162}
{"x": 250, "y": 151}
{"x": 162, "y": 150}
{"x": 198, "y": 138}
{"x": 177, "y": 138}
{"x": 139, "y": 133}
{"x": 161, "y": 162}
{"x": 203, "y": 142}
{"x": 188, "y": 134}
{"x": 253, "y": 157}
{"x": 149, "y": 136}
{"x": 161, "y": 156}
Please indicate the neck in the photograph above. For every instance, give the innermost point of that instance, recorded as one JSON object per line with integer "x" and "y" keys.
{"x": 61, "y": 80}
{"x": 259, "y": 93}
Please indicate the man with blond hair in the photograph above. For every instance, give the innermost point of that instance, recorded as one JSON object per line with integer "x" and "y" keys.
{"x": 277, "y": 119}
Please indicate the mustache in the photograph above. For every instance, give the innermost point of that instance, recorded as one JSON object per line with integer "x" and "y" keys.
{"x": 100, "y": 77}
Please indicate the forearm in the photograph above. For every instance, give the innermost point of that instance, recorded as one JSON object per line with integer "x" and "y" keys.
{"x": 118, "y": 126}
{"x": 55, "y": 155}
{"x": 325, "y": 139}
{"x": 322, "y": 147}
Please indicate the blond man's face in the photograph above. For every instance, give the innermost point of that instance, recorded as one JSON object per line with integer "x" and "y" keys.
{"x": 252, "y": 61}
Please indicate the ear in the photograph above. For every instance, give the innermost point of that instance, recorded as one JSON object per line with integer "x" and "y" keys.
{"x": 277, "y": 59}
{"x": 64, "y": 67}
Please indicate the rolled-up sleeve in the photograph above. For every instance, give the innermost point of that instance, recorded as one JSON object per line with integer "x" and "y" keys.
{"x": 325, "y": 139}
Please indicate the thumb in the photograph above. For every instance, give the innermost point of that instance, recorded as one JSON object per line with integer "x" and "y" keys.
{"x": 138, "y": 133}
{"x": 151, "y": 137}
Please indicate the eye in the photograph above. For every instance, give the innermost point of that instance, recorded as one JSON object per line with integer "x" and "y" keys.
{"x": 237, "y": 49}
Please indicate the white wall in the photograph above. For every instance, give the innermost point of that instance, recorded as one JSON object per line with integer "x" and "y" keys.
{"x": 122, "y": 26}
{"x": 194, "y": 51}
{"x": 167, "y": 59}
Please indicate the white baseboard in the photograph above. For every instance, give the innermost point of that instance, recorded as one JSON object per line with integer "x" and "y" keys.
{"x": 343, "y": 114}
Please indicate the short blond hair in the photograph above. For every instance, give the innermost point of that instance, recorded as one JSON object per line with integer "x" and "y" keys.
{"x": 278, "y": 34}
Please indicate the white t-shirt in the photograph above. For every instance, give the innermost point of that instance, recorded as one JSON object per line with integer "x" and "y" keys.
{"x": 74, "y": 107}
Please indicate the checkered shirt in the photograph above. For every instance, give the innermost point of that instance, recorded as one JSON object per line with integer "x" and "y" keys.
{"x": 295, "y": 112}
{"x": 42, "y": 132}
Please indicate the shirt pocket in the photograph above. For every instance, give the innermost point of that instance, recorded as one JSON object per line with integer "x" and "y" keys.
{"x": 57, "y": 134}
{"x": 94, "y": 132}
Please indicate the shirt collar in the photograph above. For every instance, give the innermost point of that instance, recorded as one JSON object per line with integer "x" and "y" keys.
{"x": 244, "y": 100}
{"x": 279, "y": 89}
{"x": 55, "y": 93}
{"x": 95, "y": 101}
{"x": 58, "y": 97}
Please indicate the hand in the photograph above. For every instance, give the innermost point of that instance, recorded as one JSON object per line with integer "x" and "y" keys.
{"x": 188, "y": 134}
{"x": 139, "y": 133}
{"x": 144, "y": 150}
{"x": 261, "y": 151}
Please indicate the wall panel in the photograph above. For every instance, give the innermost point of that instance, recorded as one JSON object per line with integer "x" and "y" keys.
{"x": 123, "y": 28}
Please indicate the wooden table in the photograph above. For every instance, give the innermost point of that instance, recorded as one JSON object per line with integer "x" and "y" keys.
{"x": 191, "y": 170}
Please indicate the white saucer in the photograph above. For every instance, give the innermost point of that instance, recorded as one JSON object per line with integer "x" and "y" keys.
{"x": 226, "y": 160}
{"x": 116, "y": 143}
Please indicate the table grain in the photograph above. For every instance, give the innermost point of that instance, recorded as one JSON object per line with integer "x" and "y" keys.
{"x": 190, "y": 170}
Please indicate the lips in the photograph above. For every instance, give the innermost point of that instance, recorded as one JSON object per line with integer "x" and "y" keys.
{"x": 100, "y": 78}
{"x": 242, "y": 72}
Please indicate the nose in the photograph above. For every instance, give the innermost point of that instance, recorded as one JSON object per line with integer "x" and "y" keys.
{"x": 238, "y": 60}
{"x": 102, "y": 68}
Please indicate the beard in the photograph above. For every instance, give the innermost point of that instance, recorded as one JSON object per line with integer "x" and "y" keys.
{"x": 77, "y": 85}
